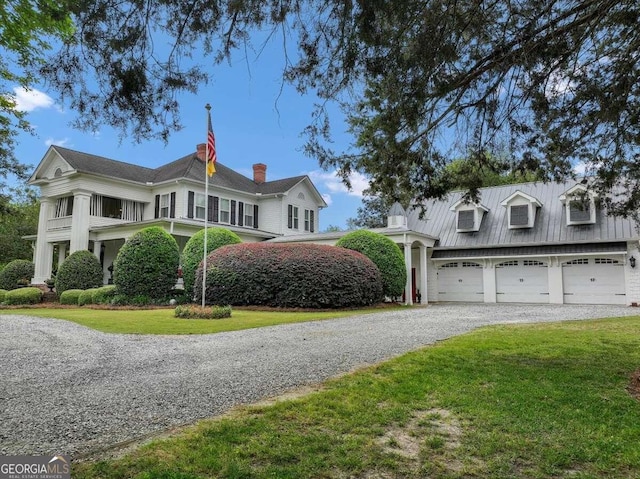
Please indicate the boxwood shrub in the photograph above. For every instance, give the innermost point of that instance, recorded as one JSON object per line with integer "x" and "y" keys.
{"x": 81, "y": 270}
{"x": 384, "y": 253}
{"x": 86, "y": 297}
{"x": 23, "y": 296}
{"x": 16, "y": 270}
{"x": 70, "y": 296}
{"x": 194, "y": 250}
{"x": 191, "y": 311}
{"x": 290, "y": 275}
{"x": 3, "y": 293}
{"x": 147, "y": 264}
{"x": 104, "y": 295}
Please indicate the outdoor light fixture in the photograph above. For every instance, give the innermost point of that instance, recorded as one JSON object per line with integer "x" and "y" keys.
{"x": 632, "y": 262}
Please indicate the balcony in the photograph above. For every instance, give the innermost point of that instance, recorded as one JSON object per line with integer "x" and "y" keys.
{"x": 64, "y": 222}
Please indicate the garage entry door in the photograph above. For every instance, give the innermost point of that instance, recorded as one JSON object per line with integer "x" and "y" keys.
{"x": 522, "y": 281}
{"x": 460, "y": 281}
{"x": 593, "y": 281}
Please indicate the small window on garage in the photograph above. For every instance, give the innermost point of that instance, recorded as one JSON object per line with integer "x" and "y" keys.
{"x": 469, "y": 264}
{"x": 579, "y": 261}
{"x": 509, "y": 263}
{"x": 449, "y": 265}
{"x": 605, "y": 261}
{"x": 528, "y": 262}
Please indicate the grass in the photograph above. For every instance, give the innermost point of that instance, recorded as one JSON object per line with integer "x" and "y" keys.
{"x": 532, "y": 401}
{"x": 163, "y": 321}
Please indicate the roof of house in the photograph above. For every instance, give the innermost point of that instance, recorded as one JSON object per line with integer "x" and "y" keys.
{"x": 187, "y": 167}
{"x": 550, "y": 221}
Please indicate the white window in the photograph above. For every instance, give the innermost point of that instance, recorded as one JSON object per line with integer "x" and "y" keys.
{"x": 580, "y": 204}
{"x": 306, "y": 220}
{"x": 579, "y": 211}
{"x": 295, "y": 218}
{"x": 519, "y": 215}
{"x": 248, "y": 215}
{"x": 199, "y": 206}
{"x": 466, "y": 219}
{"x": 165, "y": 201}
{"x": 225, "y": 210}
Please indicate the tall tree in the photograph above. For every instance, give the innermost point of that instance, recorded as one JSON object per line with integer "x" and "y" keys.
{"x": 18, "y": 218}
{"x": 27, "y": 28}
{"x": 551, "y": 82}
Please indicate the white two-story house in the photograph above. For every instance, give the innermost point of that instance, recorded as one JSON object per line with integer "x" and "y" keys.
{"x": 93, "y": 203}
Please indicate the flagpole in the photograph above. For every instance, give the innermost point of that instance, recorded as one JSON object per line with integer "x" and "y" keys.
{"x": 206, "y": 208}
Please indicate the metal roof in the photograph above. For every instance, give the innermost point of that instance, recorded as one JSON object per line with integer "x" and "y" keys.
{"x": 550, "y": 225}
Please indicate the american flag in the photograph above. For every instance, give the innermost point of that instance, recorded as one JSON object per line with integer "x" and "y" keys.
{"x": 211, "y": 150}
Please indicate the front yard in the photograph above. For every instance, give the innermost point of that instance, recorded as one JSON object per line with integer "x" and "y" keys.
{"x": 527, "y": 401}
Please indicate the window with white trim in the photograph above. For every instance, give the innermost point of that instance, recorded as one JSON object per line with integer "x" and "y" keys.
{"x": 307, "y": 221}
{"x": 294, "y": 218}
{"x": 199, "y": 205}
{"x": 248, "y": 215}
{"x": 579, "y": 261}
{"x": 449, "y": 265}
{"x": 469, "y": 264}
{"x": 165, "y": 202}
{"x": 519, "y": 215}
{"x": 579, "y": 211}
{"x": 225, "y": 210}
{"x": 509, "y": 263}
{"x": 606, "y": 261}
{"x": 466, "y": 219}
{"x": 529, "y": 262}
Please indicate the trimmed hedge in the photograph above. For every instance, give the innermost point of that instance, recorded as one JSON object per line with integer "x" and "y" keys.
{"x": 385, "y": 254}
{"x": 147, "y": 264}
{"x": 70, "y": 296}
{"x": 194, "y": 249}
{"x": 3, "y": 293}
{"x": 290, "y": 275}
{"x": 81, "y": 270}
{"x": 86, "y": 297}
{"x": 104, "y": 295}
{"x": 197, "y": 312}
{"x": 23, "y": 296}
{"x": 16, "y": 270}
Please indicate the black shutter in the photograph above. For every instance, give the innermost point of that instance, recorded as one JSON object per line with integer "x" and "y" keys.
{"x": 172, "y": 208}
{"x": 241, "y": 213}
{"x": 255, "y": 216}
{"x": 157, "y": 212}
{"x": 214, "y": 208}
{"x": 290, "y": 216}
{"x": 311, "y": 221}
{"x": 232, "y": 220}
{"x": 210, "y": 208}
{"x": 190, "y": 201}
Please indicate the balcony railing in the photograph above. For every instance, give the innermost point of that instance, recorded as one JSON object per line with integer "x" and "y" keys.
{"x": 59, "y": 223}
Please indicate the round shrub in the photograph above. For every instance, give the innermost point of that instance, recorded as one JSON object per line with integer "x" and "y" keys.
{"x": 23, "y": 296}
{"x": 104, "y": 295}
{"x": 81, "y": 270}
{"x": 194, "y": 249}
{"x": 86, "y": 297}
{"x": 17, "y": 270}
{"x": 3, "y": 293}
{"x": 384, "y": 253}
{"x": 147, "y": 264}
{"x": 70, "y": 296}
{"x": 290, "y": 275}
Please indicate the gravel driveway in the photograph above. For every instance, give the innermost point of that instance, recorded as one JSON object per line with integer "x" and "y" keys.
{"x": 72, "y": 390}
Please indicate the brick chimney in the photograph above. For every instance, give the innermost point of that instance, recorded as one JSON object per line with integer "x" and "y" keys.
{"x": 259, "y": 173}
{"x": 201, "y": 151}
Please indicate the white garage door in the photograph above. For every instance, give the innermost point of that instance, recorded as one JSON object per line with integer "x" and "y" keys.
{"x": 522, "y": 281}
{"x": 593, "y": 281}
{"x": 460, "y": 281}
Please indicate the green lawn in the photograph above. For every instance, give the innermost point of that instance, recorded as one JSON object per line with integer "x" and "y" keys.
{"x": 532, "y": 401}
{"x": 163, "y": 321}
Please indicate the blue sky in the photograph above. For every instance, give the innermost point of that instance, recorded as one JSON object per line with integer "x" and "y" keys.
{"x": 253, "y": 120}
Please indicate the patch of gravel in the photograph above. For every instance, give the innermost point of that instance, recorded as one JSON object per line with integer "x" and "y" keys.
{"x": 67, "y": 389}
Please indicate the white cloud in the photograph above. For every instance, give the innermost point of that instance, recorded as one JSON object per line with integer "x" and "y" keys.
{"x": 580, "y": 169}
{"x": 29, "y": 100}
{"x": 331, "y": 181}
{"x": 327, "y": 199}
{"x": 51, "y": 141}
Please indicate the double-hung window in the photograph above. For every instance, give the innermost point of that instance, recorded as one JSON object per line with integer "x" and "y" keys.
{"x": 199, "y": 206}
{"x": 225, "y": 210}
{"x": 165, "y": 202}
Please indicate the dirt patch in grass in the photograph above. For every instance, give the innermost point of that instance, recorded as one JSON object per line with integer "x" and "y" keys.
{"x": 634, "y": 384}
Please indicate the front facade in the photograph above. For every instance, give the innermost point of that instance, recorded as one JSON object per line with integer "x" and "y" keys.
{"x": 94, "y": 203}
{"x": 524, "y": 243}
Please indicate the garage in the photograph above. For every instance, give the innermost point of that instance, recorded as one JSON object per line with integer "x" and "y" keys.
{"x": 593, "y": 281}
{"x": 460, "y": 281}
{"x": 522, "y": 281}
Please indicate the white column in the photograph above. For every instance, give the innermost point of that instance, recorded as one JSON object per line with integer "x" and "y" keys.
{"x": 407, "y": 259}
{"x": 423, "y": 274}
{"x": 62, "y": 253}
{"x": 43, "y": 256}
{"x": 80, "y": 221}
{"x": 96, "y": 249}
{"x": 489, "y": 281}
{"x": 556, "y": 289}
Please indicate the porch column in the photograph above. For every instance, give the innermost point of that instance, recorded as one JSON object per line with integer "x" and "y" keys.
{"x": 62, "y": 253}
{"x": 407, "y": 260}
{"x": 80, "y": 221}
{"x": 43, "y": 255}
{"x": 423, "y": 274}
{"x": 97, "y": 245}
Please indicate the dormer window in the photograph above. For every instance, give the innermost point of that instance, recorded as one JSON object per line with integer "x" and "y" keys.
{"x": 580, "y": 204}
{"x": 521, "y": 210}
{"x": 468, "y": 216}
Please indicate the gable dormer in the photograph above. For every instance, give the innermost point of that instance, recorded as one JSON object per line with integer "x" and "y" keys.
{"x": 468, "y": 216}
{"x": 521, "y": 210}
{"x": 580, "y": 205}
